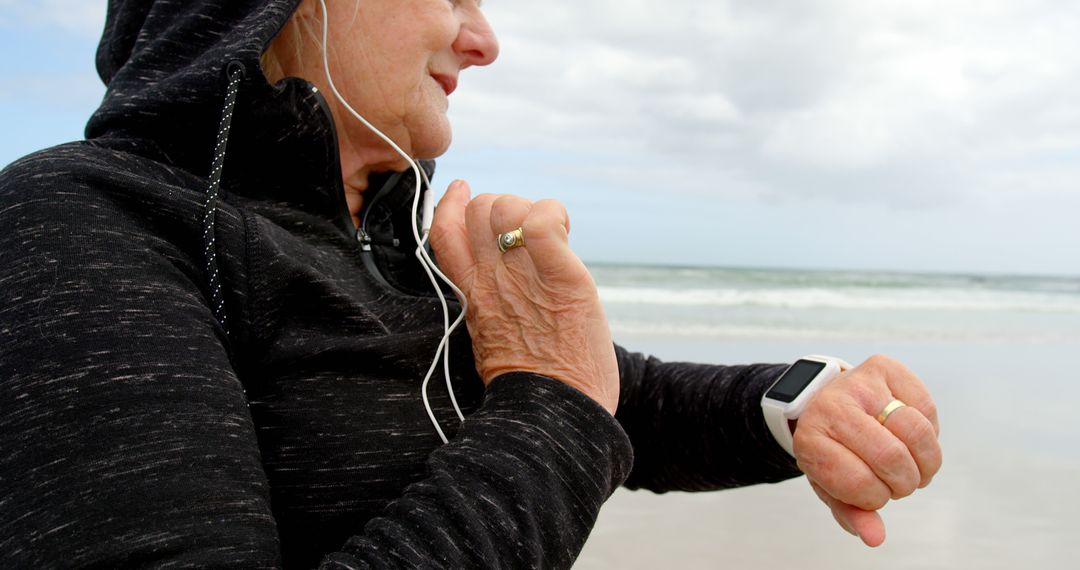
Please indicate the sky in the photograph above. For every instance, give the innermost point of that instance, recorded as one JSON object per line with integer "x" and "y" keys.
{"x": 909, "y": 135}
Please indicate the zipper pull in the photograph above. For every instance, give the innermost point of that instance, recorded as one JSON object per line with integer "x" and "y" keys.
{"x": 364, "y": 239}
{"x": 366, "y": 242}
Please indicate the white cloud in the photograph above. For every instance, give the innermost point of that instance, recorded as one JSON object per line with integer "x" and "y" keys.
{"x": 900, "y": 101}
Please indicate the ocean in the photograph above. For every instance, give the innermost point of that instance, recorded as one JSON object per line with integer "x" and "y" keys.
{"x": 997, "y": 352}
{"x": 722, "y": 303}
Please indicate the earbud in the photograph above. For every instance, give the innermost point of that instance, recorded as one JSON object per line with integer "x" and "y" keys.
{"x": 429, "y": 211}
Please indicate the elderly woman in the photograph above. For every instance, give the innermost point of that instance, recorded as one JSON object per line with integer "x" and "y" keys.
{"x": 215, "y": 328}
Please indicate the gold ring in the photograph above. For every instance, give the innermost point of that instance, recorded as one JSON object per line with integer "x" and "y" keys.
{"x": 511, "y": 239}
{"x": 889, "y": 409}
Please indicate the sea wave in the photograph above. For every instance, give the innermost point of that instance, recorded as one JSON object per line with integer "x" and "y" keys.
{"x": 622, "y": 328}
{"x": 847, "y": 298}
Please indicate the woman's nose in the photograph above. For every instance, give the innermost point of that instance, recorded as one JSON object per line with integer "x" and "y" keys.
{"x": 476, "y": 42}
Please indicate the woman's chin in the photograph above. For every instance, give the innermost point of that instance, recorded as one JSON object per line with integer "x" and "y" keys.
{"x": 433, "y": 139}
{"x": 431, "y": 151}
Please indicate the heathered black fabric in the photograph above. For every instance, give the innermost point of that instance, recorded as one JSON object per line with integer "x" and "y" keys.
{"x": 135, "y": 432}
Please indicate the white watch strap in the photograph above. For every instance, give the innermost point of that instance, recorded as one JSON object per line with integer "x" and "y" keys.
{"x": 779, "y": 426}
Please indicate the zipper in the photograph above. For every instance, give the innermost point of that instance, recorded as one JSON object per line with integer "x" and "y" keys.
{"x": 362, "y": 236}
{"x": 366, "y": 241}
{"x": 335, "y": 161}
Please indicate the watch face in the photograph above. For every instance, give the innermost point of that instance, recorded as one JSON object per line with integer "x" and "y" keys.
{"x": 795, "y": 380}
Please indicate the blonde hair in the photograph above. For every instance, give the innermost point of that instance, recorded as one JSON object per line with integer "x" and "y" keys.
{"x": 286, "y": 51}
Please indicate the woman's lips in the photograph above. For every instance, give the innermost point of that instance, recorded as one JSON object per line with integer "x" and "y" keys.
{"x": 448, "y": 83}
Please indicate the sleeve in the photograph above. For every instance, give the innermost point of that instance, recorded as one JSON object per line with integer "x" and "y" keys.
{"x": 519, "y": 487}
{"x": 125, "y": 438}
{"x": 698, "y": 427}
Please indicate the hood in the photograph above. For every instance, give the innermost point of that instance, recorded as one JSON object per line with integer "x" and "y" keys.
{"x": 163, "y": 63}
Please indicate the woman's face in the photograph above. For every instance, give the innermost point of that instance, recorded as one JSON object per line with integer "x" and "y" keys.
{"x": 396, "y": 62}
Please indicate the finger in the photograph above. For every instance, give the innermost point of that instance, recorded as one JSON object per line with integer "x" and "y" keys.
{"x": 842, "y": 473}
{"x": 508, "y": 213}
{"x": 907, "y": 387}
{"x": 557, "y": 211}
{"x": 449, "y": 234}
{"x": 918, "y": 434}
{"x": 885, "y": 454}
{"x": 478, "y": 221}
{"x": 867, "y": 525}
{"x": 906, "y": 423}
{"x": 546, "y": 237}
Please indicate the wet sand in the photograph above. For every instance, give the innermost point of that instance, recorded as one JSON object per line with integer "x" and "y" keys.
{"x": 1006, "y": 496}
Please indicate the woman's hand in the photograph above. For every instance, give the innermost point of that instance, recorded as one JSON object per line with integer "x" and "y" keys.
{"x": 533, "y": 308}
{"x": 854, "y": 463}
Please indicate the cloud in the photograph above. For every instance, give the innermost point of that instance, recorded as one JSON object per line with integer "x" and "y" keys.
{"x": 909, "y": 103}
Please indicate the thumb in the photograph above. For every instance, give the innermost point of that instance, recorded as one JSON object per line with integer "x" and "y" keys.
{"x": 867, "y": 525}
{"x": 449, "y": 235}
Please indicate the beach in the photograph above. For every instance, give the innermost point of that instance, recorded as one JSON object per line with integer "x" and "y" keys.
{"x": 996, "y": 353}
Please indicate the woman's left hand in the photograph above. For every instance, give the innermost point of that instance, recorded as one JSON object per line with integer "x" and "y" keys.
{"x": 534, "y": 307}
{"x": 856, "y": 464}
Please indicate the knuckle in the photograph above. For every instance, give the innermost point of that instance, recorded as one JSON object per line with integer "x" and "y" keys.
{"x": 875, "y": 500}
{"x": 532, "y": 226}
{"x": 509, "y": 209}
{"x": 902, "y": 475}
{"x": 550, "y": 209}
{"x": 864, "y": 395}
{"x": 867, "y": 492}
{"x": 926, "y": 478}
{"x": 929, "y": 409}
{"x": 878, "y": 365}
{"x": 890, "y": 455}
{"x": 878, "y": 361}
{"x": 859, "y": 483}
{"x": 921, "y": 431}
{"x": 484, "y": 199}
{"x": 905, "y": 486}
{"x": 810, "y": 460}
{"x": 537, "y": 224}
{"x": 480, "y": 203}
{"x": 508, "y": 201}
{"x": 551, "y": 203}
{"x": 933, "y": 461}
{"x": 883, "y": 364}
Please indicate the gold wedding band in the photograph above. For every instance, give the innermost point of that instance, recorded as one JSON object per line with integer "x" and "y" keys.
{"x": 511, "y": 239}
{"x": 889, "y": 409}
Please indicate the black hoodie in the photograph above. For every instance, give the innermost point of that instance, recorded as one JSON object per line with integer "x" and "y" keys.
{"x": 139, "y": 428}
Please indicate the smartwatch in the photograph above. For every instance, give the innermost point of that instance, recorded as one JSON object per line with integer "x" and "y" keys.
{"x": 786, "y": 399}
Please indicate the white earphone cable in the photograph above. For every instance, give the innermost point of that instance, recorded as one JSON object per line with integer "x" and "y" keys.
{"x": 423, "y": 186}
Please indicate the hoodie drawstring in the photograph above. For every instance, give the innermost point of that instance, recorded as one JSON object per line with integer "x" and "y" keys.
{"x": 235, "y": 73}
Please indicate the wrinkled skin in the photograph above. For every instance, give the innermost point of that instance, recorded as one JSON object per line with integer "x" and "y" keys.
{"x": 536, "y": 309}
{"x": 531, "y": 309}
{"x": 855, "y": 464}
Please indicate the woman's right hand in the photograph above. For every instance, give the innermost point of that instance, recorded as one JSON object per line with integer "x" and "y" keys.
{"x": 534, "y": 308}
